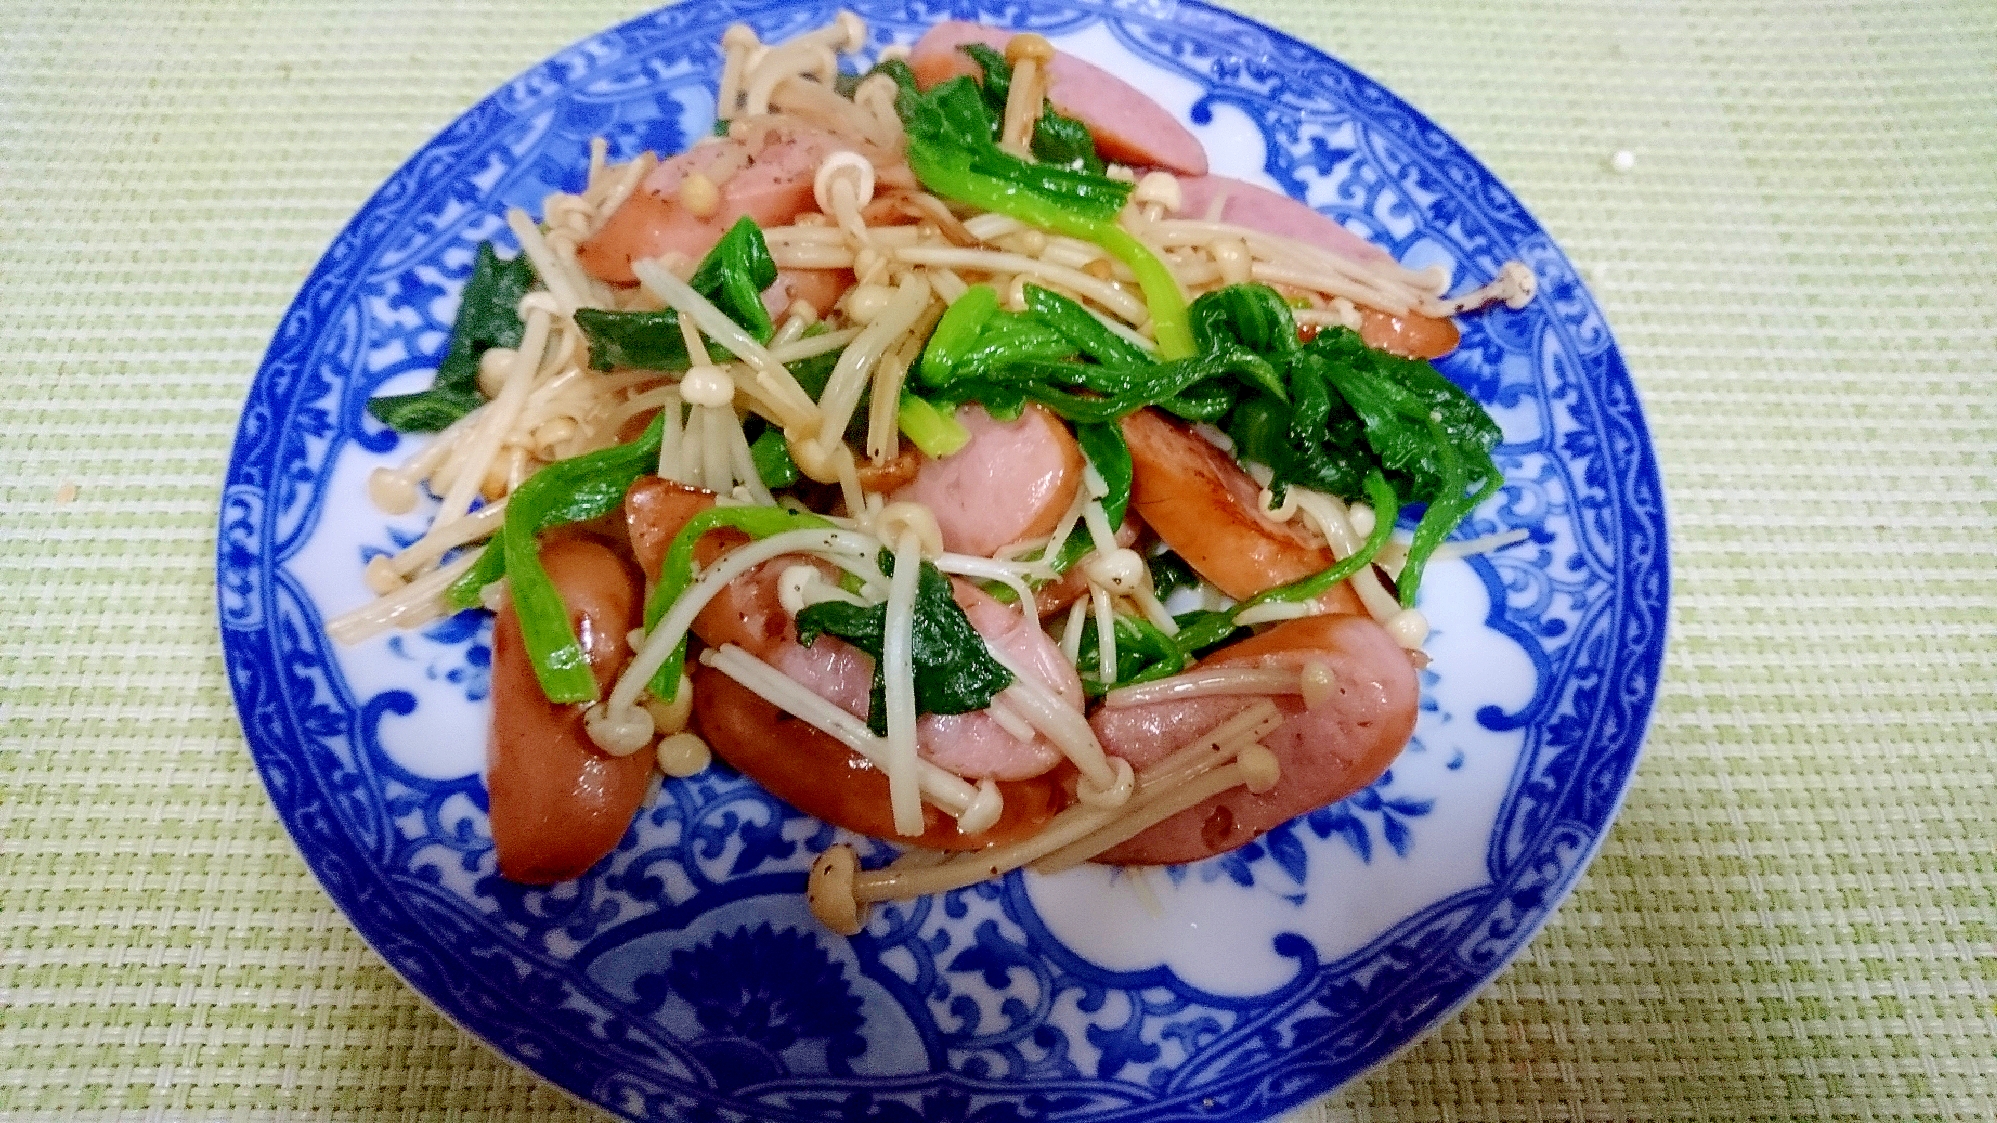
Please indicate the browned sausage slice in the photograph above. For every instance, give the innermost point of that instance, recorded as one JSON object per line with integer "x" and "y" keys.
{"x": 559, "y": 803}
{"x": 1201, "y": 503}
{"x": 814, "y": 773}
{"x": 1410, "y": 335}
{"x": 1326, "y": 754}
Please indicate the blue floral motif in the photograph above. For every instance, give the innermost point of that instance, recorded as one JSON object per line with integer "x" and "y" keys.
{"x": 756, "y": 993}
{"x": 1343, "y": 819}
{"x": 470, "y": 670}
{"x": 961, "y": 1008}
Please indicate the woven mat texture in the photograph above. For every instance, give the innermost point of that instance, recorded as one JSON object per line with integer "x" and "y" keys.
{"x": 1795, "y": 917}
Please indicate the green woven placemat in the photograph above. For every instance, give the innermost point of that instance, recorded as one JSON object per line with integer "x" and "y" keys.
{"x": 1793, "y": 918}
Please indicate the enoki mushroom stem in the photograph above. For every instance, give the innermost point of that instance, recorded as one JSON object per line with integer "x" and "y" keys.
{"x": 1226, "y": 757}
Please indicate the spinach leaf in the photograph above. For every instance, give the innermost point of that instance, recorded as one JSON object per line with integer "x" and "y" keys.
{"x": 1249, "y": 315}
{"x": 997, "y": 74}
{"x": 633, "y": 340}
{"x": 488, "y": 316}
{"x": 1009, "y": 338}
{"x": 1202, "y": 401}
{"x": 1432, "y": 439}
{"x": 813, "y": 373}
{"x": 1057, "y": 138}
{"x": 432, "y": 410}
{"x": 1143, "y": 653}
{"x": 1086, "y": 392}
{"x": 464, "y": 592}
{"x": 951, "y": 150}
{"x": 1102, "y": 442}
{"x": 954, "y": 673}
{"x": 733, "y": 275}
{"x": 1169, "y": 574}
{"x": 956, "y": 333}
{"x": 1415, "y": 418}
{"x": 1084, "y": 331}
{"x": 773, "y": 463}
{"x": 1318, "y": 443}
{"x": 1205, "y": 630}
{"x": 1060, "y": 139}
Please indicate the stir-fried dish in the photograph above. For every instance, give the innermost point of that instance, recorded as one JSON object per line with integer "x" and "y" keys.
{"x": 946, "y": 449}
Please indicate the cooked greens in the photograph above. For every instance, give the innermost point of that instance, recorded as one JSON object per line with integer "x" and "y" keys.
{"x": 1331, "y": 414}
{"x": 952, "y": 149}
{"x": 1057, "y": 139}
{"x": 954, "y": 672}
{"x": 488, "y": 317}
{"x": 733, "y": 275}
{"x": 567, "y": 491}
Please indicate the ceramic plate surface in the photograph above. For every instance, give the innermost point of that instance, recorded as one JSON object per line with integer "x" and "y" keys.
{"x": 683, "y": 978}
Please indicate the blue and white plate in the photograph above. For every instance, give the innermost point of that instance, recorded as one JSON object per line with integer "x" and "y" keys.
{"x": 683, "y": 978}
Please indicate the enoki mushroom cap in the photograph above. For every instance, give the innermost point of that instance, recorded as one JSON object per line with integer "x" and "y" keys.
{"x": 707, "y": 386}
{"x": 819, "y": 460}
{"x": 1116, "y": 794}
{"x": 905, "y": 517}
{"x": 1119, "y": 571}
{"x": 1161, "y": 188}
{"x": 1029, "y": 46}
{"x": 683, "y": 754}
{"x": 852, "y": 32}
{"x": 392, "y": 492}
{"x": 1259, "y": 770}
{"x": 1408, "y": 627}
{"x": 381, "y": 576}
{"x": 1318, "y": 681}
{"x": 830, "y": 894}
{"x": 618, "y": 731}
{"x": 851, "y": 166}
{"x": 984, "y": 811}
{"x": 699, "y": 195}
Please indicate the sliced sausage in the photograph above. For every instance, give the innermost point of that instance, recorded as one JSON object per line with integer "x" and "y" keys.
{"x": 1258, "y": 208}
{"x": 1205, "y": 507}
{"x": 558, "y": 803}
{"x": 1410, "y": 335}
{"x": 819, "y": 776}
{"x": 655, "y": 510}
{"x": 1012, "y": 481}
{"x": 1128, "y": 127}
{"x": 1326, "y": 754}
{"x": 749, "y": 614}
{"x": 771, "y": 186}
{"x": 820, "y": 288}
{"x": 973, "y": 744}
